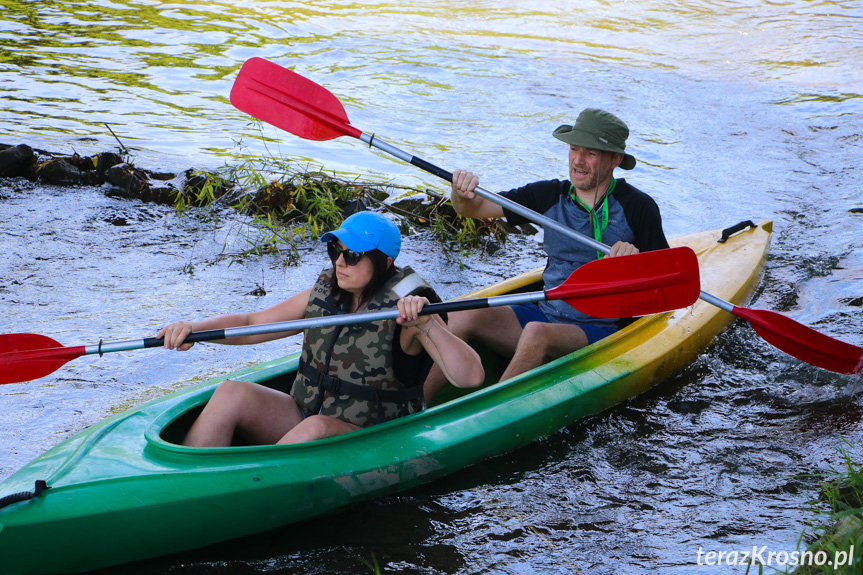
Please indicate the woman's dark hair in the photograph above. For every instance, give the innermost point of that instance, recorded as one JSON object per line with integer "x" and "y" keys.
{"x": 380, "y": 274}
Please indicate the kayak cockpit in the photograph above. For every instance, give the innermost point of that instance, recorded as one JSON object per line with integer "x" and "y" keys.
{"x": 171, "y": 427}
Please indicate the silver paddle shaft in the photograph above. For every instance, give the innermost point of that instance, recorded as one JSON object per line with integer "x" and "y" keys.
{"x": 326, "y": 321}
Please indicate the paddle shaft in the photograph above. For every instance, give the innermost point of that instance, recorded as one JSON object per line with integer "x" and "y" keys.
{"x": 327, "y": 321}
{"x": 546, "y": 223}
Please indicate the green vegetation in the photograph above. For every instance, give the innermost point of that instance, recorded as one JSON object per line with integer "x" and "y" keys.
{"x": 839, "y": 544}
{"x": 288, "y": 205}
{"x": 373, "y": 565}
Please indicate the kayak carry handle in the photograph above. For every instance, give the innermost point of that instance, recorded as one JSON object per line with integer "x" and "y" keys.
{"x": 728, "y": 232}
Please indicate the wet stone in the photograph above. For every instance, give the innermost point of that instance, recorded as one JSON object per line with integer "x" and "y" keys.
{"x": 127, "y": 180}
{"x": 159, "y": 194}
{"x": 16, "y": 161}
{"x": 61, "y": 172}
{"x": 162, "y": 176}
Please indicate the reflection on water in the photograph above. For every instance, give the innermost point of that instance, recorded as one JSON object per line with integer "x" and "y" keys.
{"x": 738, "y": 110}
{"x": 468, "y": 81}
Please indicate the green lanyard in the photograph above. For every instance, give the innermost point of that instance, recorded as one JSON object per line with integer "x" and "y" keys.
{"x": 594, "y": 217}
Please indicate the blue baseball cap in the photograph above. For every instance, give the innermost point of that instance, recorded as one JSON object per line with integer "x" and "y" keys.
{"x": 365, "y": 231}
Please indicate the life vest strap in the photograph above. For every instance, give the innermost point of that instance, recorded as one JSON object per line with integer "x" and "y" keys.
{"x": 338, "y": 386}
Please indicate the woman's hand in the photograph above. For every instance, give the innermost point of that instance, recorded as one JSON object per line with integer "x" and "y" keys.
{"x": 457, "y": 360}
{"x": 175, "y": 334}
{"x": 409, "y": 313}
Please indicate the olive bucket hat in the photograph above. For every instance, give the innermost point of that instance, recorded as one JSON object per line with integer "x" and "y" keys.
{"x": 598, "y": 130}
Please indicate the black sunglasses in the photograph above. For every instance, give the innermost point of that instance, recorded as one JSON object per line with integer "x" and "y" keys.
{"x": 352, "y": 258}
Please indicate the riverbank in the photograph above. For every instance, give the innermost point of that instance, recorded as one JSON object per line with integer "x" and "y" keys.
{"x": 288, "y": 203}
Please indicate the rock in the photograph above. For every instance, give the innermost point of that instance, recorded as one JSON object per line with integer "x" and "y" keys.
{"x": 16, "y": 161}
{"x": 75, "y": 169}
{"x": 61, "y": 171}
{"x": 106, "y": 160}
{"x": 411, "y": 205}
{"x": 161, "y": 176}
{"x": 353, "y": 206}
{"x": 160, "y": 194}
{"x": 96, "y": 167}
{"x": 195, "y": 181}
{"x": 127, "y": 180}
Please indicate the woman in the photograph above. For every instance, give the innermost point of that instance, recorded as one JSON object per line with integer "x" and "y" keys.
{"x": 349, "y": 376}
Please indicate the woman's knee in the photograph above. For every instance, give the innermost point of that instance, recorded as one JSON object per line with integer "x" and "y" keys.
{"x": 316, "y": 427}
{"x": 250, "y": 401}
{"x": 231, "y": 389}
{"x": 230, "y": 393}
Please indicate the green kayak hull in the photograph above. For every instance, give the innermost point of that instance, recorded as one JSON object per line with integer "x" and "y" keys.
{"x": 124, "y": 490}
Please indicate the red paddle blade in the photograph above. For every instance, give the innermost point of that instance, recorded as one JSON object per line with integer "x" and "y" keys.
{"x": 288, "y": 101}
{"x": 803, "y": 342}
{"x": 28, "y": 356}
{"x": 628, "y": 286}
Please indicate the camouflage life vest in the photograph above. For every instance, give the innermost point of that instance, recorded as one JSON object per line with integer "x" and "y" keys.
{"x": 347, "y": 371}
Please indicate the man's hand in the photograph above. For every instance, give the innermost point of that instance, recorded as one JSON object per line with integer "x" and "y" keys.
{"x": 464, "y": 183}
{"x": 466, "y": 202}
{"x": 622, "y": 249}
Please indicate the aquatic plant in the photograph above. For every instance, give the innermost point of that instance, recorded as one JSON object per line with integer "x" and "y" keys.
{"x": 837, "y": 529}
{"x": 289, "y": 204}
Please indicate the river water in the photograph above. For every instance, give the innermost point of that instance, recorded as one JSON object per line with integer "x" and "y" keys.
{"x": 738, "y": 110}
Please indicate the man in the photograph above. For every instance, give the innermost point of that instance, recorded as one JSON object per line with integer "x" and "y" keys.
{"x": 592, "y": 202}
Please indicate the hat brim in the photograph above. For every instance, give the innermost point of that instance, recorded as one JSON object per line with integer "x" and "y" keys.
{"x": 573, "y": 137}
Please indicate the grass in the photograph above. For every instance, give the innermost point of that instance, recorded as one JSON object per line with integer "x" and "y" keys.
{"x": 288, "y": 205}
{"x": 838, "y": 526}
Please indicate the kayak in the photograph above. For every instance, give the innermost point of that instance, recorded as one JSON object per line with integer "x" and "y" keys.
{"x": 125, "y": 489}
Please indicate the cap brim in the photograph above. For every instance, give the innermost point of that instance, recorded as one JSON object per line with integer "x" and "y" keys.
{"x": 352, "y": 240}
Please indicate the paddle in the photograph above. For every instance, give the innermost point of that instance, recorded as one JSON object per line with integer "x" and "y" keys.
{"x": 613, "y": 287}
{"x": 293, "y": 103}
